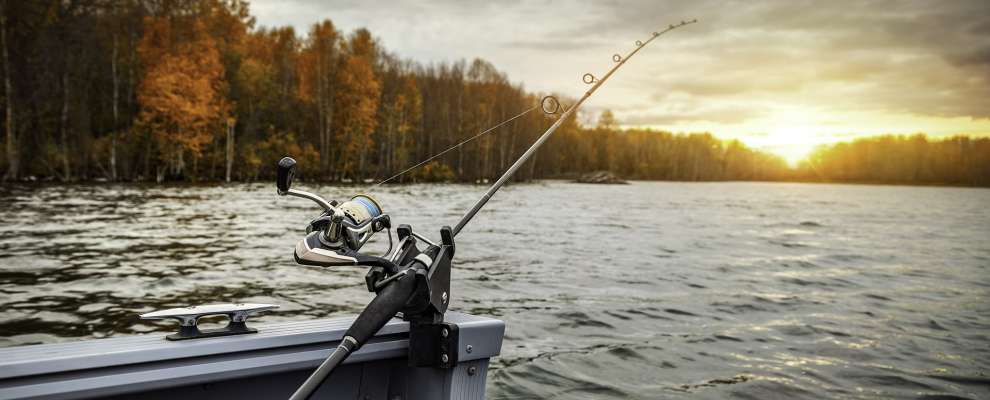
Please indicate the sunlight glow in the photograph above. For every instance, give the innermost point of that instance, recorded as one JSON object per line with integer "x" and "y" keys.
{"x": 793, "y": 132}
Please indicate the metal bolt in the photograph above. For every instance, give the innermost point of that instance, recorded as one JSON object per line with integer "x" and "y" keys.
{"x": 443, "y": 298}
{"x": 444, "y": 332}
{"x": 444, "y": 358}
{"x": 472, "y": 371}
{"x": 469, "y": 348}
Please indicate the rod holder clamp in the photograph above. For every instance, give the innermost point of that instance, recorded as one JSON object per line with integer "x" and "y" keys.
{"x": 433, "y": 344}
{"x": 188, "y": 317}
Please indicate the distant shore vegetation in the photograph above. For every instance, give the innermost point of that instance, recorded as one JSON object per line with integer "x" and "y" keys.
{"x": 192, "y": 90}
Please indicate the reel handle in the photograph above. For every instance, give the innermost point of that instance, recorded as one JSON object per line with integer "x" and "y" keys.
{"x": 286, "y": 171}
{"x": 283, "y": 184}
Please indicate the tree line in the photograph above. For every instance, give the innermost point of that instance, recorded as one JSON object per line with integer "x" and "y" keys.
{"x": 155, "y": 90}
{"x": 914, "y": 159}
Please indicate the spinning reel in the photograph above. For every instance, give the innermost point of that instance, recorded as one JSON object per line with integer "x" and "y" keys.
{"x": 336, "y": 236}
{"x": 406, "y": 280}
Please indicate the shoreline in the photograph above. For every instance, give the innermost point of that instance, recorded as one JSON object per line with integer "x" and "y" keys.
{"x": 215, "y": 183}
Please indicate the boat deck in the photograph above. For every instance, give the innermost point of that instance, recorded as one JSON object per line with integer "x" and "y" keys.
{"x": 267, "y": 364}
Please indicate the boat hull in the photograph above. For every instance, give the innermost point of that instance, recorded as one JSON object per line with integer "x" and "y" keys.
{"x": 270, "y": 364}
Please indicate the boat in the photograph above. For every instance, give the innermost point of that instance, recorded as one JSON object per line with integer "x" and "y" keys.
{"x": 268, "y": 364}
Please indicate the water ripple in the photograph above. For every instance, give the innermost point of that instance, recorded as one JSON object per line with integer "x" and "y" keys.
{"x": 710, "y": 290}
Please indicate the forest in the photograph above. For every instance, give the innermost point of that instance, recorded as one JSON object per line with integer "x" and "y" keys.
{"x": 194, "y": 90}
{"x": 912, "y": 160}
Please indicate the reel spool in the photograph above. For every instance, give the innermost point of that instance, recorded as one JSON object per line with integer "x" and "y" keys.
{"x": 360, "y": 209}
{"x": 347, "y": 226}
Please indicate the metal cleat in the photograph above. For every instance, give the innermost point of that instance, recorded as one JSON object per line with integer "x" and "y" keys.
{"x": 189, "y": 316}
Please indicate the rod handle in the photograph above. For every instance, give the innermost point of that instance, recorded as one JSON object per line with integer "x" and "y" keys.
{"x": 390, "y": 300}
{"x": 379, "y": 311}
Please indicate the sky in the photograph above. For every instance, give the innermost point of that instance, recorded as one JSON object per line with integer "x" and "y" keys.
{"x": 782, "y": 76}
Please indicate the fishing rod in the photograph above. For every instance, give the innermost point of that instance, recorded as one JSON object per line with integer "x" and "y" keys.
{"x": 406, "y": 280}
{"x": 588, "y": 79}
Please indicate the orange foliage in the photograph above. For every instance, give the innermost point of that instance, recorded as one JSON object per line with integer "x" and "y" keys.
{"x": 317, "y": 60}
{"x": 182, "y": 95}
{"x": 359, "y": 92}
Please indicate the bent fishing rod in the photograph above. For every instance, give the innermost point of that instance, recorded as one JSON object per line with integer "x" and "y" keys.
{"x": 405, "y": 279}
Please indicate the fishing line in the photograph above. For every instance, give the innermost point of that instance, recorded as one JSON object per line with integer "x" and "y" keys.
{"x": 588, "y": 79}
{"x": 549, "y": 104}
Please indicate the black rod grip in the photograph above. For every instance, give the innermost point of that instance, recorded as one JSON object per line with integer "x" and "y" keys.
{"x": 382, "y": 308}
{"x": 379, "y": 311}
{"x": 316, "y": 379}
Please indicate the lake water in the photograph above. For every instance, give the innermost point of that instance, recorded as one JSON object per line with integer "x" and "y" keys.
{"x": 641, "y": 291}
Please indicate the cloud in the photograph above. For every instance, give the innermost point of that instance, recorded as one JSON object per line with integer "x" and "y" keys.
{"x": 741, "y": 61}
{"x": 979, "y": 56}
{"x": 721, "y": 115}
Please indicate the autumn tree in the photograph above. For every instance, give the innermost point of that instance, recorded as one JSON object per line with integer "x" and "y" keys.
{"x": 251, "y": 87}
{"x": 319, "y": 61}
{"x": 483, "y": 84}
{"x": 10, "y": 144}
{"x": 603, "y": 140}
{"x": 914, "y": 159}
{"x": 399, "y": 116}
{"x": 182, "y": 93}
{"x": 285, "y": 58}
{"x": 357, "y": 103}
